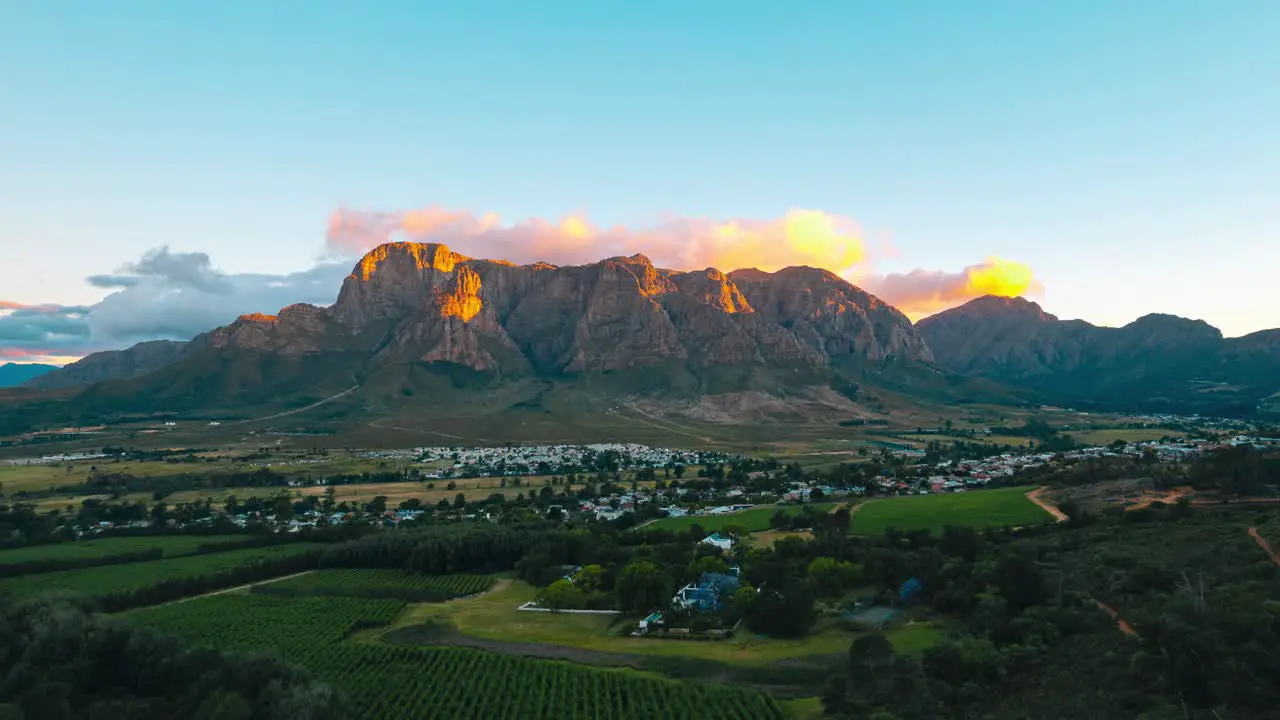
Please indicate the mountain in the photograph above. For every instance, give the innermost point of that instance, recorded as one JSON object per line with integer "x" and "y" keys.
{"x": 111, "y": 365}
{"x": 12, "y": 374}
{"x": 1157, "y": 362}
{"x": 419, "y": 320}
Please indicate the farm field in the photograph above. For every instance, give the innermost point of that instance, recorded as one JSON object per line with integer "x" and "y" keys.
{"x": 386, "y": 682}
{"x": 170, "y": 545}
{"x": 493, "y": 616}
{"x": 1132, "y": 435}
{"x": 112, "y": 579}
{"x": 1000, "y": 507}
{"x": 754, "y": 520}
{"x": 385, "y": 583}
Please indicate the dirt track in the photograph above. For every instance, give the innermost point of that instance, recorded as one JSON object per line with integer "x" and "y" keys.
{"x": 1124, "y": 626}
{"x": 1035, "y": 497}
{"x": 1266, "y": 547}
{"x": 238, "y": 587}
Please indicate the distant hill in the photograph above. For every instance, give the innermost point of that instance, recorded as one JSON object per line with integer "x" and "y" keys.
{"x": 13, "y": 374}
{"x": 1157, "y": 362}
{"x": 111, "y": 365}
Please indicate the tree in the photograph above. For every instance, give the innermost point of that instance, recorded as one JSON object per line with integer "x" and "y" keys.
{"x": 562, "y": 595}
{"x": 869, "y": 656}
{"x": 643, "y": 586}
{"x": 377, "y": 506}
{"x": 330, "y": 500}
{"x": 282, "y": 507}
{"x": 830, "y": 577}
{"x": 590, "y": 578}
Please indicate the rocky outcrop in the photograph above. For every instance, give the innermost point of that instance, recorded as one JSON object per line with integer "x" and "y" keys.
{"x": 412, "y": 302}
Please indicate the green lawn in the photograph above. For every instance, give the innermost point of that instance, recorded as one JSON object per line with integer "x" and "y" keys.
{"x": 1001, "y": 507}
{"x": 753, "y": 520}
{"x": 493, "y": 616}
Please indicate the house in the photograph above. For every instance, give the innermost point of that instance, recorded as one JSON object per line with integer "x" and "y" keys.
{"x": 675, "y": 511}
{"x": 708, "y": 594}
{"x": 718, "y": 540}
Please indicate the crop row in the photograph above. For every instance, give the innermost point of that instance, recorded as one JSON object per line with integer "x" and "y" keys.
{"x": 385, "y": 682}
{"x": 119, "y": 579}
{"x": 110, "y": 547}
{"x": 397, "y": 584}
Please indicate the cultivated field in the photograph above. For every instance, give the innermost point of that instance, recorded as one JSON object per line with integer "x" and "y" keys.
{"x": 384, "y": 583}
{"x": 392, "y": 682}
{"x": 1001, "y": 507}
{"x": 169, "y": 545}
{"x": 113, "y": 579}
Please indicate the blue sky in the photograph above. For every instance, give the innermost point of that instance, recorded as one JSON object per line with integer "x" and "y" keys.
{"x": 1127, "y": 151}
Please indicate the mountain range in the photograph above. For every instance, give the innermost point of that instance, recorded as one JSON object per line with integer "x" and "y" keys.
{"x": 418, "y": 325}
{"x": 1156, "y": 363}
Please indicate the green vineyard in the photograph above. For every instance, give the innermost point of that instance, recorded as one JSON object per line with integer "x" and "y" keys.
{"x": 380, "y": 583}
{"x": 169, "y": 545}
{"x": 113, "y": 579}
{"x": 389, "y": 683}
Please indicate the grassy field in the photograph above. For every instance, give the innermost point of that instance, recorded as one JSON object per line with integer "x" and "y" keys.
{"x": 1132, "y": 435}
{"x": 977, "y": 508}
{"x": 391, "y": 682}
{"x": 493, "y": 616}
{"x": 171, "y": 545}
{"x": 753, "y": 520}
{"x": 111, "y": 579}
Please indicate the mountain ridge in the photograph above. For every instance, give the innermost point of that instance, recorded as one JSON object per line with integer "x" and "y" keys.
{"x": 1158, "y": 361}
{"x": 620, "y": 325}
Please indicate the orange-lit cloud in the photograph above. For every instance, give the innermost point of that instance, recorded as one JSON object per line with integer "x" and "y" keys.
{"x": 800, "y": 237}
{"x": 923, "y": 292}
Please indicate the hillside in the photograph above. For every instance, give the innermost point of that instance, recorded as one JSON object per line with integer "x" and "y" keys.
{"x": 1156, "y": 363}
{"x": 12, "y": 374}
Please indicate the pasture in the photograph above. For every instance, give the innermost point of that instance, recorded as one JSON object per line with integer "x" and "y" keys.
{"x": 1001, "y": 507}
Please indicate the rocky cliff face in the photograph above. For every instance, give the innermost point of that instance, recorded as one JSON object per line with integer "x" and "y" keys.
{"x": 424, "y": 302}
{"x": 133, "y": 362}
{"x": 1157, "y": 361}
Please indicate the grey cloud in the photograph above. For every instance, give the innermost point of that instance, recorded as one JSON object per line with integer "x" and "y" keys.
{"x": 163, "y": 296}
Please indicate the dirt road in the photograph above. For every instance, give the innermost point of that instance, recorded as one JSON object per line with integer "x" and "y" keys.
{"x": 238, "y": 587}
{"x": 1124, "y": 626}
{"x": 313, "y": 405}
{"x": 1035, "y": 496}
{"x": 1266, "y": 547}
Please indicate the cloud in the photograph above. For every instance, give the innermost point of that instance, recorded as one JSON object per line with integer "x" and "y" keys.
{"x": 800, "y": 237}
{"x": 192, "y": 270}
{"x": 923, "y": 292}
{"x": 164, "y": 295}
